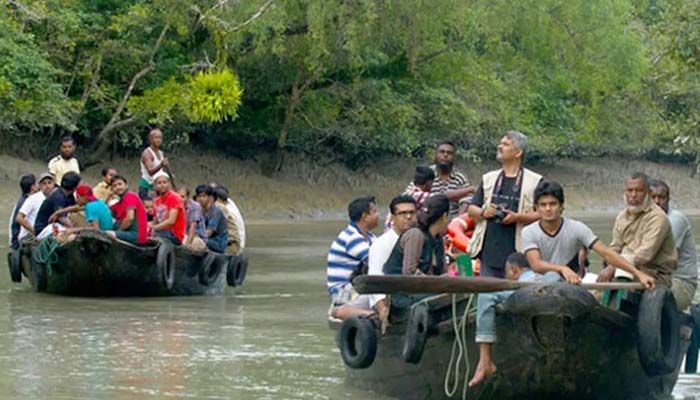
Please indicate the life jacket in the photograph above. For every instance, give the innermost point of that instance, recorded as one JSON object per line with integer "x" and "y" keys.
{"x": 433, "y": 248}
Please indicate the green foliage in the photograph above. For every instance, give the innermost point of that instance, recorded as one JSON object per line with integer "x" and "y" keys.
{"x": 357, "y": 80}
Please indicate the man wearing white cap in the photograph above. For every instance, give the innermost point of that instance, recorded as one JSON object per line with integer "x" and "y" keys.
{"x": 29, "y": 210}
{"x": 170, "y": 221}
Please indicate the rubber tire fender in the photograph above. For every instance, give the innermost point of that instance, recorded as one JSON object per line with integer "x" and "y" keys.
{"x": 165, "y": 263}
{"x": 14, "y": 262}
{"x": 241, "y": 271}
{"x": 658, "y": 331}
{"x": 416, "y": 334}
{"x": 211, "y": 267}
{"x": 39, "y": 274}
{"x": 357, "y": 340}
{"x": 233, "y": 264}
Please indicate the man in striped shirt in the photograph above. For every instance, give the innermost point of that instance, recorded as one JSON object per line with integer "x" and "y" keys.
{"x": 348, "y": 253}
{"x": 451, "y": 183}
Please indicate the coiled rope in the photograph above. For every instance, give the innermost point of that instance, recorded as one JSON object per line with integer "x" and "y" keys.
{"x": 45, "y": 252}
{"x": 459, "y": 347}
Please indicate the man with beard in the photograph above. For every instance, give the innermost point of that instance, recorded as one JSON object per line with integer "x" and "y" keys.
{"x": 447, "y": 181}
{"x": 64, "y": 162}
{"x": 129, "y": 212}
{"x": 685, "y": 277}
{"x": 170, "y": 220}
{"x": 642, "y": 234}
{"x": 502, "y": 206}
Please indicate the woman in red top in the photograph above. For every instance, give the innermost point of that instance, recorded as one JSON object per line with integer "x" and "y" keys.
{"x": 170, "y": 220}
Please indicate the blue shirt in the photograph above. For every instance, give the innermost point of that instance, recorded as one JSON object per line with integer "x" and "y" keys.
{"x": 97, "y": 210}
{"x": 216, "y": 222}
{"x": 346, "y": 253}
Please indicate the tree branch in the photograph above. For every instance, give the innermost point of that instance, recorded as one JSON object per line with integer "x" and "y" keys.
{"x": 236, "y": 28}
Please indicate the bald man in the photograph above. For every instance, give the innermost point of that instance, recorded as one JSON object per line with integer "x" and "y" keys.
{"x": 152, "y": 161}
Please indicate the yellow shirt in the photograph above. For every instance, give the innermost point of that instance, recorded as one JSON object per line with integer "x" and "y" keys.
{"x": 102, "y": 191}
{"x": 59, "y": 167}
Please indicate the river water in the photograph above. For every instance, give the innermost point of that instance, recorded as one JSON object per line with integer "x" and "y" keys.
{"x": 266, "y": 340}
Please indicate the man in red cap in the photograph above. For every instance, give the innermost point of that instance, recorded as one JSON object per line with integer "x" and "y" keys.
{"x": 97, "y": 213}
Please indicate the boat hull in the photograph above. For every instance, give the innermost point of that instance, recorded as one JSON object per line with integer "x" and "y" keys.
{"x": 553, "y": 342}
{"x": 94, "y": 265}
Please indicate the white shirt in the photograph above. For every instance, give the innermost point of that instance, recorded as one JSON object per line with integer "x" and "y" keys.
{"x": 379, "y": 253}
{"x": 157, "y": 158}
{"x": 240, "y": 224}
{"x": 30, "y": 209}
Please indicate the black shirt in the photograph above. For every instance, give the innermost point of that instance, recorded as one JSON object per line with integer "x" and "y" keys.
{"x": 56, "y": 200}
{"x": 499, "y": 239}
{"x": 14, "y": 226}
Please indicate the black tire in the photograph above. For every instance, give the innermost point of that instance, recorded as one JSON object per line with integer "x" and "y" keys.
{"x": 14, "y": 262}
{"x": 39, "y": 274}
{"x": 241, "y": 271}
{"x": 233, "y": 263}
{"x": 165, "y": 263}
{"x": 416, "y": 334}
{"x": 211, "y": 267}
{"x": 658, "y": 329}
{"x": 358, "y": 342}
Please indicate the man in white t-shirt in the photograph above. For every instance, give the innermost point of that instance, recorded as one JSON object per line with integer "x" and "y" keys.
{"x": 552, "y": 245}
{"x": 64, "y": 162}
{"x": 29, "y": 210}
{"x": 403, "y": 216}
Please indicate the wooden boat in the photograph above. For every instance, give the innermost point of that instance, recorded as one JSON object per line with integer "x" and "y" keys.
{"x": 95, "y": 265}
{"x": 554, "y": 341}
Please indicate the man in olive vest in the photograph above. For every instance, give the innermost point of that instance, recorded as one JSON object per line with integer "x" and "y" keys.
{"x": 502, "y": 206}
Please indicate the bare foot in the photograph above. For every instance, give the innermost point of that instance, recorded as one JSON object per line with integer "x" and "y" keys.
{"x": 483, "y": 371}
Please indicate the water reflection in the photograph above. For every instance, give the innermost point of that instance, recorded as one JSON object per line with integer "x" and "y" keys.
{"x": 267, "y": 340}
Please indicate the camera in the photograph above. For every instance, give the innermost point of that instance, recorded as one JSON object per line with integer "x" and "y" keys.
{"x": 500, "y": 214}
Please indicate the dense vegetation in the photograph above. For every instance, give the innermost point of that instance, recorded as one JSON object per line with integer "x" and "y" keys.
{"x": 354, "y": 80}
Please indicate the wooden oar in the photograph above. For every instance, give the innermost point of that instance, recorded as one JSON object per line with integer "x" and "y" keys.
{"x": 368, "y": 284}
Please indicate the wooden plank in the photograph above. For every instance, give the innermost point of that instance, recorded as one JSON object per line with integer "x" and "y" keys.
{"x": 367, "y": 284}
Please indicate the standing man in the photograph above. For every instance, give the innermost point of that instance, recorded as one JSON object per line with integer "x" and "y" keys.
{"x": 103, "y": 189}
{"x": 347, "y": 253}
{"x": 28, "y": 186}
{"x": 170, "y": 221}
{"x": 642, "y": 234}
{"x": 685, "y": 277}
{"x": 26, "y": 216}
{"x": 64, "y": 162}
{"x": 502, "y": 206}
{"x": 448, "y": 181}
{"x": 152, "y": 161}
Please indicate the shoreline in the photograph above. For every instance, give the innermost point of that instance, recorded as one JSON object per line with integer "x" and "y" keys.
{"x": 307, "y": 192}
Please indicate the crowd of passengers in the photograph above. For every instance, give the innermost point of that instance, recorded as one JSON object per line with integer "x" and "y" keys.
{"x": 59, "y": 204}
{"x": 520, "y": 234}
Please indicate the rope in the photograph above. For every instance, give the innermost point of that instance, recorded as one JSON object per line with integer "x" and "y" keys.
{"x": 460, "y": 346}
{"x": 45, "y": 252}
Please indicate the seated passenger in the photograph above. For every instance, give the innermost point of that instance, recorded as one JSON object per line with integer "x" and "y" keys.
{"x": 148, "y": 206}
{"x": 29, "y": 210}
{"x": 103, "y": 189}
{"x": 420, "y": 250}
{"x": 517, "y": 269}
{"x": 553, "y": 245}
{"x": 234, "y": 238}
{"x": 28, "y": 186}
{"x": 222, "y": 196}
{"x": 216, "y": 230}
{"x": 348, "y": 253}
{"x": 195, "y": 221}
{"x": 419, "y": 189}
{"x": 130, "y": 214}
{"x": 170, "y": 220}
{"x": 61, "y": 198}
{"x": 97, "y": 214}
